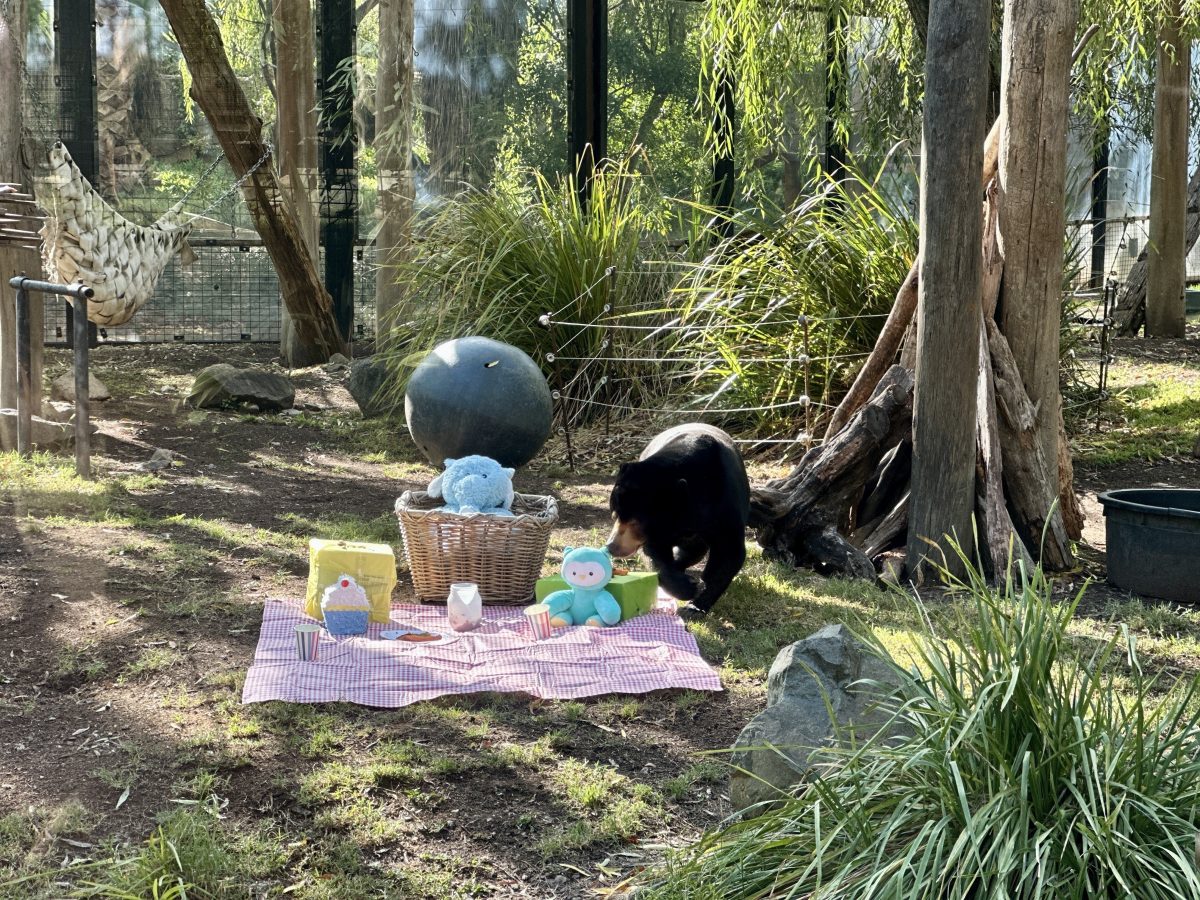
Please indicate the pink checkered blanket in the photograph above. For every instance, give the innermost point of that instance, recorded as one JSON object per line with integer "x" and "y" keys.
{"x": 644, "y": 654}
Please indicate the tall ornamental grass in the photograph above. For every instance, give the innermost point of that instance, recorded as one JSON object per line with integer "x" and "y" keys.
{"x": 1030, "y": 769}
{"x": 493, "y": 263}
{"x": 837, "y": 259}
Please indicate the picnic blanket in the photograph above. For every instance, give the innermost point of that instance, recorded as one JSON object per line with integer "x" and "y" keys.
{"x": 647, "y": 653}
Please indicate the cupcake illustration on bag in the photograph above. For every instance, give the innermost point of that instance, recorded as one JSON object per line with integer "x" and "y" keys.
{"x": 345, "y": 607}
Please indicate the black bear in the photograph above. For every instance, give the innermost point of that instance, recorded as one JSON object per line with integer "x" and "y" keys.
{"x": 686, "y": 496}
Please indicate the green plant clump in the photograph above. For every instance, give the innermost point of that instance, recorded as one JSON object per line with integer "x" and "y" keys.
{"x": 1021, "y": 772}
{"x": 493, "y": 263}
{"x": 791, "y": 303}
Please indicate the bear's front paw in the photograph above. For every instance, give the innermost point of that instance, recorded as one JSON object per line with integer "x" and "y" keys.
{"x": 681, "y": 585}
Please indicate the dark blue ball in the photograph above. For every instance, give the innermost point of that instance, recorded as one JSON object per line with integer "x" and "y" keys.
{"x": 475, "y": 395}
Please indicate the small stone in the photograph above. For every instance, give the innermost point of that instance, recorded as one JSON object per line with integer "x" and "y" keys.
{"x": 368, "y": 385}
{"x": 337, "y": 364}
{"x": 63, "y": 388}
{"x": 159, "y": 459}
{"x": 46, "y": 435}
{"x": 58, "y": 410}
{"x": 223, "y": 386}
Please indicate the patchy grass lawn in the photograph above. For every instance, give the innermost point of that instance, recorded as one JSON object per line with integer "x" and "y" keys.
{"x": 1153, "y": 412}
{"x": 133, "y": 603}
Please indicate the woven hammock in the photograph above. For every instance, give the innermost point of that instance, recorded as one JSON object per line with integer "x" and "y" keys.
{"x": 86, "y": 240}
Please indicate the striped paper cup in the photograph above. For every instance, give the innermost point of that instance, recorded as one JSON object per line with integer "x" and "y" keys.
{"x": 307, "y": 639}
{"x": 538, "y": 617}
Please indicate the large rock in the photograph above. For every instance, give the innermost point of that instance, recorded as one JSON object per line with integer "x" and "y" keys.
{"x": 63, "y": 388}
{"x": 47, "y": 435}
{"x": 808, "y": 681}
{"x": 368, "y": 386}
{"x": 227, "y": 387}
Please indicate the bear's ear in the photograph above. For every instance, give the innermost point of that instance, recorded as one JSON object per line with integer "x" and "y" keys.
{"x": 567, "y": 550}
{"x": 508, "y": 473}
{"x": 447, "y": 463}
{"x": 624, "y": 468}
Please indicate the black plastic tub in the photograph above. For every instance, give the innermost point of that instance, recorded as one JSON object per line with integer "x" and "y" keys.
{"x": 1154, "y": 541}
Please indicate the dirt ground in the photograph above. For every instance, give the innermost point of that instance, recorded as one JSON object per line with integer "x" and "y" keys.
{"x": 87, "y": 591}
{"x": 132, "y": 611}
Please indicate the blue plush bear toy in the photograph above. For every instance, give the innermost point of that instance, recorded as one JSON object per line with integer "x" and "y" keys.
{"x": 474, "y": 484}
{"x": 587, "y": 570}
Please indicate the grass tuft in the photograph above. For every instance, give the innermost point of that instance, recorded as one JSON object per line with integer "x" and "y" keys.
{"x": 1025, "y": 767}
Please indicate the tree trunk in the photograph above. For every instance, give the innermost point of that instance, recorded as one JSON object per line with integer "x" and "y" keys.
{"x": 1028, "y": 474}
{"x": 296, "y": 145}
{"x": 13, "y": 169}
{"x": 216, "y": 89}
{"x": 1166, "y": 272}
{"x": 393, "y": 155}
{"x": 1131, "y": 302}
{"x": 1033, "y": 168}
{"x": 949, "y": 284}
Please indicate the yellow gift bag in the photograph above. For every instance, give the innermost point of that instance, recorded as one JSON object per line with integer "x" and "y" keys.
{"x": 372, "y": 565}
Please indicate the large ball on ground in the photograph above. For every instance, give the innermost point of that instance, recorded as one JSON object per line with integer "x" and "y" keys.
{"x": 474, "y": 395}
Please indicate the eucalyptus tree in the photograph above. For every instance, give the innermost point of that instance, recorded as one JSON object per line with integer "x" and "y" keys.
{"x": 1140, "y": 65}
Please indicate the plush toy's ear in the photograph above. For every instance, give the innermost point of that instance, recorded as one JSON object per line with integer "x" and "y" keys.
{"x": 435, "y": 487}
{"x": 447, "y": 463}
{"x": 509, "y": 473}
{"x": 567, "y": 550}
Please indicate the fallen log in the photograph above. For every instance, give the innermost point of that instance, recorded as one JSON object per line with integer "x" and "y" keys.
{"x": 821, "y": 489}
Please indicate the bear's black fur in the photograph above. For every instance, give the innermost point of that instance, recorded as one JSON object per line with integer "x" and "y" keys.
{"x": 686, "y": 496}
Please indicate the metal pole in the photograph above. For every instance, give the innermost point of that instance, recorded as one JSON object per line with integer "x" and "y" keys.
{"x": 724, "y": 181}
{"x": 24, "y": 376}
{"x": 75, "y": 77}
{"x": 338, "y": 156}
{"x": 587, "y": 91}
{"x": 1099, "y": 210}
{"x": 83, "y": 432}
{"x": 836, "y": 66}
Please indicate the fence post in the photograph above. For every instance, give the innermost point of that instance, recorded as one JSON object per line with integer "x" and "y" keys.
{"x": 83, "y": 431}
{"x": 24, "y": 376}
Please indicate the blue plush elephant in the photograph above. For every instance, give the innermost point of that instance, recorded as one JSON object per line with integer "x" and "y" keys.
{"x": 587, "y": 570}
{"x": 474, "y": 484}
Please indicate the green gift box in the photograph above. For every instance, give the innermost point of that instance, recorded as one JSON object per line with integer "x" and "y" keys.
{"x": 635, "y": 592}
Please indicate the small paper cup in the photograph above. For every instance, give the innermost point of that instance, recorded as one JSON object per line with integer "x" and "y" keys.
{"x": 538, "y": 617}
{"x": 308, "y": 639}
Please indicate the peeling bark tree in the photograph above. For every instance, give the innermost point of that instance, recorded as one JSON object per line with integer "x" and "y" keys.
{"x": 1166, "y": 272}
{"x": 857, "y": 498}
{"x": 218, "y": 93}
{"x": 1131, "y": 302}
{"x": 1033, "y": 172}
{"x": 950, "y": 281}
{"x": 296, "y": 144}
{"x": 393, "y": 155}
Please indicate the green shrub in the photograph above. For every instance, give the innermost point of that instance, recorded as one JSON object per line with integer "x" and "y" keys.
{"x": 839, "y": 259}
{"x": 492, "y": 263}
{"x": 1023, "y": 772}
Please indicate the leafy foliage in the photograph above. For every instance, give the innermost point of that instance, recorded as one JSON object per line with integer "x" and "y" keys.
{"x": 1020, "y": 771}
{"x": 817, "y": 282}
{"x": 494, "y": 262}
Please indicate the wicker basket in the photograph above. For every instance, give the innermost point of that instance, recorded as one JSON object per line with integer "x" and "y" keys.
{"x": 502, "y": 555}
